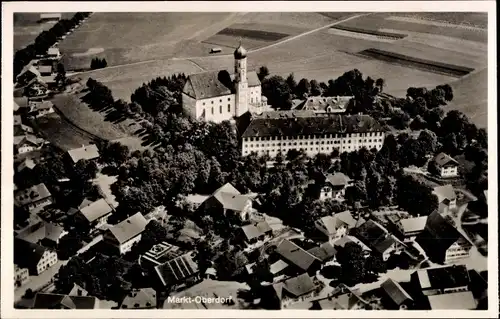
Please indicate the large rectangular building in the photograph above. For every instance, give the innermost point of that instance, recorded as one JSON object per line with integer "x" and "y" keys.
{"x": 271, "y": 133}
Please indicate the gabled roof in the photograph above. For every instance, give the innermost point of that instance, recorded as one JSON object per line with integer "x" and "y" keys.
{"x": 332, "y": 223}
{"x": 177, "y": 269}
{"x": 443, "y": 159}
{"x": 58, "y": 301}
{"x": 342, "y": 298}
{"x": 53, "y": 232}
{"x": 233, "y": 202}
{"x": 96, "y": 210}
{"x": 252, "y": 231}
{"x": 27, "y": 254}
{"x": 337, "y": 179}
{"x": 29, "y": 68}
{"x": 77, "y": 290}
{"x": 458, "y": 300}
{"x": 27, "y": 139}
{"x": 295, "y": 254}
{"x": 316, "y": 125}
{"x": 252, "y": 79}
{"x": 375, "y": 236}
{"x": 32, "y": 194}
{"x": 88, "y": 152}
{"x": 324, "y": 252}
{"x": 277, "y": 266}
{"x": 129, "y": 228}
{"x": 413, "y": 224}
{"x": 140, "y": 298}
{"x": 296, "y": 286}
{"x": 325, "y": 104}
{"x": 27, "y": 163}
{"x": 45, "y": 105}
{"x": 382, "y": 245}
{"x": 445, "y": 192}
{"x": 329, "y": 223}
{"x": 205, "y": 85}
{"x": 395, "y": 292}
{"x": 350, "y": 239}
{"x": 443, "y": 277}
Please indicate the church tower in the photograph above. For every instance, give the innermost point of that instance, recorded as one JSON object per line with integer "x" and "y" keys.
{"x": 241, "y": 83}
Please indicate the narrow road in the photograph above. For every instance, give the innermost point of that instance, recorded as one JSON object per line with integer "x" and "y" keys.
{"x": 227, "y": 55}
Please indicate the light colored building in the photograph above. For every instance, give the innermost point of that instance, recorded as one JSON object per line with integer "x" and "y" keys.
{"x": 45, "y": 70}
{"x": 324, "y": 104}
{"x": 126, "y": 233}
{"x": 318, "y": 134}
{"x": 208, "y": 97}
{"x": 144, "y": 298}
{"x": 336, "y": 226}
{"x": 42, "y": 108}
{"x": 255, "y": 233}
{"x": 88, "y": 152}
{"x": 228, "y": 201}
{"x": 294, "y": 290}
{"x": 446, "y": 165}
{"x": 27, "y": 143}
{"x": 53, "y": 53}
{"x": 334, "y": 186}
{"x": 441, "y": 280}
{"x": 33, "y": 197}
{"x": 50, "y": 16}
{"x": 411, "y": 227}
{"x": 463, "y": 300}
{"x": 21, "y": 276}
{"x": 96, "y": 213}
{"x": 33, "y": 256}
{"x": 447, "y": 198}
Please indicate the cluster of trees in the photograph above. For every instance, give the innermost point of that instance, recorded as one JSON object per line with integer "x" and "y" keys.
{"x": 97, "y": 63}
{"x": 45, "y": 40}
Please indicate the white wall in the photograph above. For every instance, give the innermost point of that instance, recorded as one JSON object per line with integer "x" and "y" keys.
{"x": 450, "y": 171}
{"x": 217, "y": 109}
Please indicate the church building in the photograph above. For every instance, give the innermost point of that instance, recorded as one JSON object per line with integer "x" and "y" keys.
{"x": 218, "y": 96}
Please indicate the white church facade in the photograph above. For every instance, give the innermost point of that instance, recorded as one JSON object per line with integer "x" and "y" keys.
{"x": 206, "y": 97}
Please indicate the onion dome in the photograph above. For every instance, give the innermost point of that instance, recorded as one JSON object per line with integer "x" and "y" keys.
{"x": 240, "y": 53}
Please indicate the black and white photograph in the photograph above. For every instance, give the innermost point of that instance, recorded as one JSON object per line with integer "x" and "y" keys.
{"x": 241, "y": 161}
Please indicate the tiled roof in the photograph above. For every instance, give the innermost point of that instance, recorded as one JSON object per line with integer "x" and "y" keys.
{"x": 295, "y": 254}
{"x": 58, "y": 301}
{"x": 325, "y": 104}
{"x": 129, "y": 228}
{"x": 442, "y": 159}
{"x": 349, "y": 239}
{"x": 252, "y": 231}
{"x": 177, "y": 269}
{"x": 27, "y": 254}
{"x": 86, "y": 152}
{"x": 284, "y": 114}
{"x": 27, "y": 139}
{"x": 323, "y": 252}
{"x": 252, "y": 79}
{"x": 394, "y": 290}
{"x": 32, "y": 194}
{"x": 375, "y": 236}
{"x": 296, "y": 286}
{"x": 140, "y": 298}
{"x": 445, "y": 192}
{"x": 338, "y": 179}
{"x": 205, "y": 85}
{"x": 317, "y": 125}
{"x": 233, "y": 202}
{"x": 342, "y": 298}
{"x": 443, "y": 277}
{"x": 463, "y": 300}
{"x": 413, "y": 224}
{"x": 277, "y": 266}
{"x": 96, "y": 210}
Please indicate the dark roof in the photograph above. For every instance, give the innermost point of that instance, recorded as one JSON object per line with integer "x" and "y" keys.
{"x": 342, "y": 298}
{"x": 140, "y": 298}
{"x": 32, "y": 194}
{"x": 325, "y": 104}
{"x": 316, "y": 125}
{"x": 58, "y": 301}
{"x": 252, "y": 231}
{"x": 177, "y": 269}
{"x": 443, "y": 159}
{"x": 437, "y": 237}
{"x": 129, "y": 228}
{"x": 373, "y": 235}
{"x": 205, "y": 85}
{"x": 395, "y": 292}
{"x": 27, "y": 254}
{"x": 295, "y": 254}
{"x": 338, "y": 179}
{"x": 323, "y": 252}
{"x": 240, "y": 52}
{"x": 296, "y": 286}
{"x": 443, "y": 277}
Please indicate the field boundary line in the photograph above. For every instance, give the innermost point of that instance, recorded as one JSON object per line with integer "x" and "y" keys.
{"x": 435, "y": 23}
{"x": 66, "y": 119}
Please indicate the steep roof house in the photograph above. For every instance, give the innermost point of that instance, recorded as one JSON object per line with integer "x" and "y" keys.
{"x": 302, "y": 260}
{"x": 124, "y": 234}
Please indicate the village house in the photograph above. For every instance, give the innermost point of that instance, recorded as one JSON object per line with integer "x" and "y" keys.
{"x": 94, "y": 214}
{"x": 342, "y": 298}
{"x": 325, "y": 105}
{"x": 351, "y": 239}
{"x": 395, "y": 296}
{"x": 441, "y": 280}
{"x": 126, "y": 233}
{"x": 27, "y": 143}
{"x": 60, "y": 301}
{"x": 21, "y": 129}
{"x": 411, "y": 227}
{"x": 442, "y": 242}
{"x": 334, "y": 186}
{"x": 53, "y": 54}
{"x": 181, "y": 271}
{"x": 36, "y": 88}
{"x": 33, "y": 256}
{"x": 158, "y": 255}
{"x": 34, "y": 197}
{"x": 378, "y": 239}
{"x": 45, "y": 70}
{"x": 254, "y": 233}
{"x": 325, "y": 252}
{"x": 336, "y": 226}
{"x": 229, "y": 202}
{"x": 463, "y": 300}
{"x": 89, "y": 152}
{"x": 42, "y": 108}
{"x": 144, "y": 298}
{"x": 78, "y": 291}
{"x": 43, "y": 232}
{"x": 446, "y": 165}
{"x": 300, "y": 259}
{"x": 447, "y": 198}
{"x": 210, "y": 97}
{"x": 278, "y": 270}
{"x": 27, "y": 74}
{"x": 21, "y": 276}
{"x": 296, "y": 289}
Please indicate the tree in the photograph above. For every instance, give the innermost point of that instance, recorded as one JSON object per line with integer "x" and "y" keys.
{"x": 292, "y": 83}
{"x": 114, "y": 153}
{"x": 380, "y": 83}
{"x": 303, "y": 88}
{"x": 415, "y": 197}
{"x": 375, "y": 265}
{"x": 315, "y": 88}
{"x": 61, "y": 75}
{"x": 277, "y": 91}
{"x": 429, "y": 141}
{"x": 263, "y": 73}
{"x": 352, "y": 261}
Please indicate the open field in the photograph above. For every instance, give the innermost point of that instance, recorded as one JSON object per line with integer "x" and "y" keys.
{"x": 371, "y": 32}
{"x": 378, "y": 21}
{"x": 475, "y": 19}
{"x": 227, "y": 43}
{"x": 470, "y": 96}
{"x": 27, "y": 28}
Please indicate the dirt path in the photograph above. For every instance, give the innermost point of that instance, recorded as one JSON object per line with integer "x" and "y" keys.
{"x": 228, "y": 55}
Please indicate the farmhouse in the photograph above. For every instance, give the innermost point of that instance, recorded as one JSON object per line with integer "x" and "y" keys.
{"x": 33, "y": 197}
{"x": 396, "y": 296}
{"x": 378, "y": 239}
{"x": 446, "y": 165}
{"x": 447, "y": 198}
{"x": 42, "y": 231}
{"x": 229, "y": 202}
{"x": 337, "y": 226}
{"x": 334, "y": 186}
{"x": 42, "y": 108}
{"x": 313, "y": 135}
{"x": 295, "y": 290}
{"x": 441, "y": 241}
{"x": 441, "y": 280}
{"x": 88, "y": 152}
{"x": 27, "y": 143}
{"x": 178, "y": 272}
{"x": 324, "y": 252}
{"x": 27, "y": 74}
{"x": 36, "y": 88}
{"x": 411, "y": 227}
{"x": 94, "y": 214}
{"x": 124, "y": 234}
{"x": 21, "y": 276}
{"x": 342, "y": 298}
{"x": 253, "y": 233}
{"x": 325, "y": 105}
{"x": 294, "y": 255}
{"x": 33, "y": 256}
{"x": 59, "y": 301}
{"x": 218, "y": 96}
